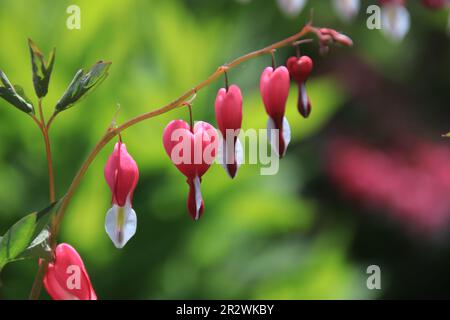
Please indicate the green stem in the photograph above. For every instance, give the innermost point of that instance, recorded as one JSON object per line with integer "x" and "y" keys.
{"x": 112, "y": 132}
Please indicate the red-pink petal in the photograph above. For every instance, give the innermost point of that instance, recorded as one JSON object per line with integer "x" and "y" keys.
{"x": 228, "y": 107}
{"x": 274, "y": 86}
{"x": 121, "y": 174}
{"x": 58, "y": 280}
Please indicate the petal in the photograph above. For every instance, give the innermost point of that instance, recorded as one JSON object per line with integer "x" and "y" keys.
{"x": 127, "y": 176}
{"x": 230, "y": 156}
{"x": 195, "y": 200}
{"x": 66, "y": 277}
{"x": 111, "y": 168}
{"x": 120, "y": 224}
{"x": 291, "y": 8}
{"x": 346, "y": 9}
{"x": 274, "y": 88}
{"x": 228, "y": 107}
{"x": 205, "y": 147}
{"x": 303, "y": 103}
{"x": 121, "y": 174}
{"x": 278, "y": 142}
{"x": 178, "y": 142}
{"x": 395, "y": 21}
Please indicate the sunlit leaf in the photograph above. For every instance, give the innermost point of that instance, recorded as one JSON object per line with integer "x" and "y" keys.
{"x": 10, "y": 94}
{"x": 83, "y": 83}
{"x": 27, "y": 234}
{"x": 39, "y": 247}
{"x": 42, "y": 70}
{"x": 17, "y": 238}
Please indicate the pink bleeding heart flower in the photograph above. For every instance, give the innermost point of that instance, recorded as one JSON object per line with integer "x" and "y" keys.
{"x": 274, "y": 87}
{"x": 229, "y": 120}
{"x": 66, "y": 277}
{"x": 300, "y": 69}
{"x": 122, "y": 175}
{"x": 192, "y": 150}
{"x": 395, "y": 19}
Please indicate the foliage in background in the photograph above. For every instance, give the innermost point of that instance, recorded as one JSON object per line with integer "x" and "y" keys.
{"x": 261, "y": 236}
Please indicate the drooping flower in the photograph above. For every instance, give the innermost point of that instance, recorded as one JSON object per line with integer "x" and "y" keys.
{"x": 299, "y": 69}
{"x": 122, "y": 175}
{"x": 274, "y": 87}
{"x": 66, "y": 277}
{"x": 192, "y": 150}
{"x": 228, "y": 107}
{"x": 395, "y": 19}
{"x": 347, "y": 9}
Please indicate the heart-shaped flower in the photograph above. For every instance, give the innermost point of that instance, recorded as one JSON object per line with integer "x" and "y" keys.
{"x": 229, "y": 120}
{"x": 300, "y": 69}
{"x": 66, "y": 277}
{"x": 274, "y": 87}
{"x": 122, "y": 175}
{"x": 192, "y": 150}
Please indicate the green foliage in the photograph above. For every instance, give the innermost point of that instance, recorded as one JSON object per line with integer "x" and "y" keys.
{"x": 27, "y": 237}
{"x": 82, "y": 83}
{"x": 42, "y": 70}
{"x": 14, "y": 95}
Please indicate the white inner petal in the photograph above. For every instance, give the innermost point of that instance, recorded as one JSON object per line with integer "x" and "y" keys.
{"x": 347, "y": 9}
{"x": 395, "y": 21}
{"x": 272, "y": 135}
{"x": 120, "y": 224}
{"x": 198, "y": 197}
{"x": 291, "y": 8}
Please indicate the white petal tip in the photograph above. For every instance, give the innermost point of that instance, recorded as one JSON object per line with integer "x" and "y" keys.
{"x": 120, "y": 224}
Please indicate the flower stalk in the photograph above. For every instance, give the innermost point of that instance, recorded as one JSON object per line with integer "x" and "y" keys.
{"x": 114, "y": 130}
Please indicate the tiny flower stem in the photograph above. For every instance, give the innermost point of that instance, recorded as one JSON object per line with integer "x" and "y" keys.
{"x": 187, "y": 96}
{"x": 48, "y": 151}
{"x": 37, "y": 284}
{"x": 191, "y": 119}
{"x": 272, "y": 53}
{"x": 226, "y": 80}
{"x": 50, "y": 121}
{"x": 297, "y": 44}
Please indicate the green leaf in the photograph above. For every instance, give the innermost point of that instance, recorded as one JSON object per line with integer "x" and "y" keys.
{"x": 10, "y": 94}
{"x": 21, "y": 92}
{"x": 42, "y": 70}
{"x": 17, "y": 239}
{"x": 82, "y": 83}
{"x": 39, "y": 248}
{"x": 28, "y": 237}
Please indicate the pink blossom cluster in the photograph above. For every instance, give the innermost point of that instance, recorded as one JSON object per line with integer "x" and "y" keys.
{"x": 413, "y": 185}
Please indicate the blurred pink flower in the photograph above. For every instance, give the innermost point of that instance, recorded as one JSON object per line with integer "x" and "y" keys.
{"x": 413, "y": 185}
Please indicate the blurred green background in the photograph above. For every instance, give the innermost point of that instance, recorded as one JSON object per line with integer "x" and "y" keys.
{"x": 287, "y": 236}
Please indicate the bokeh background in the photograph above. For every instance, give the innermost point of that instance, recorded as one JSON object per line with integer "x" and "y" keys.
{"x": 365, "y": 180}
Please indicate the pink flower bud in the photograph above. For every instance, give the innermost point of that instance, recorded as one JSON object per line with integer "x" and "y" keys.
{"x": 229, "y": 120}
{"x": 66, "y": 277}
{"x": 274, "y": 87}
{"x": 299, "y": 69}
{"x": 122, "y": 175}
{"x": 192, "y": 150}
